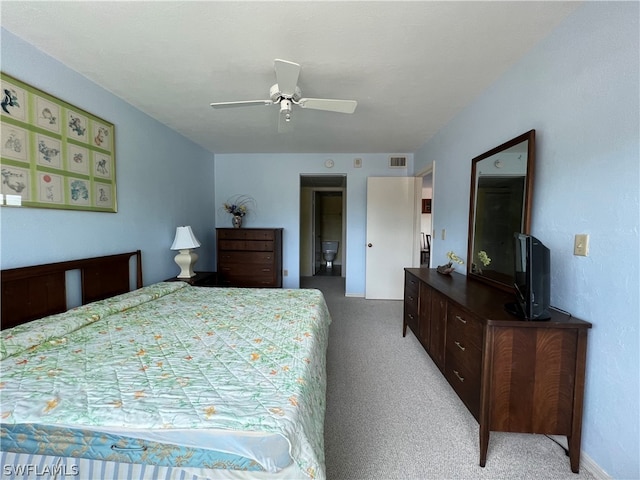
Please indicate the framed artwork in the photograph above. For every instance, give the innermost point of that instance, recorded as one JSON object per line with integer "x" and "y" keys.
{"x": 53, "y": 154}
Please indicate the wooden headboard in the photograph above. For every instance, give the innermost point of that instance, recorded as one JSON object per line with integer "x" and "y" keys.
{"x": 40, "y": 290}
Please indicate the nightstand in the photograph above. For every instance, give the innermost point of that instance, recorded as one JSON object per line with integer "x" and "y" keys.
{"x": 201, "y": 279}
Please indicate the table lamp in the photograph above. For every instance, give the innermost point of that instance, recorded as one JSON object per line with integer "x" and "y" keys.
{"x": 185, "y": 240}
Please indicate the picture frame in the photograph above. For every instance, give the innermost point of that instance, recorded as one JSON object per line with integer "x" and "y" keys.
{"x": 52, "y": 153}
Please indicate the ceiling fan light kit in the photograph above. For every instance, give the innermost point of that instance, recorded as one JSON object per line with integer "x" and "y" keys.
{"x": 286, "y": 93}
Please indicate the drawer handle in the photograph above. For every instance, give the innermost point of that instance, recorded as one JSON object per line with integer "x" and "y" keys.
{"x": 460, "y": 346}
{"x": 458, "y": 375}
{"x": 266, "y": 269}
{"x": 458, "y": 317}
{"x": 411, "y": 298}
{"x": 410, "y": 316}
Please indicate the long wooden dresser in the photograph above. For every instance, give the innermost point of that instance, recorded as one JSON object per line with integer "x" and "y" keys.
{"x": 513, "y": 375}
{"x": 250, "y": 257}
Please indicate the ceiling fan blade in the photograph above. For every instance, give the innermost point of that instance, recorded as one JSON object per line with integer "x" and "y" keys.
{"x": 330, "y": 105}
{"x": 245, "y": 103}
{"x": 287, "y": 76}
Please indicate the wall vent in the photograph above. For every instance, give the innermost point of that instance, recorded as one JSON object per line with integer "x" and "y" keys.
{"x": 397, "y": 162}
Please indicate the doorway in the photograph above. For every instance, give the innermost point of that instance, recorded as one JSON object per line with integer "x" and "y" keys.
{"x": 327, "y": 231}
{"x": 426, "y": 216}
{"x": 322, "y": 219}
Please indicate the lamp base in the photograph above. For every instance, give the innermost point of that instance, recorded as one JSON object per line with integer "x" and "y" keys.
{"x": 185, "y": 260}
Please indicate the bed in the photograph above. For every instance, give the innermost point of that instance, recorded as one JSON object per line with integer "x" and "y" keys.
{"x": 164, "y": 381}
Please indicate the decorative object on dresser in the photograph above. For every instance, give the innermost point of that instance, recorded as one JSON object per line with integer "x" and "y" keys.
{"x": 449, "y": 268}
{"x": 250, "y": 257}
{"x": 239, "y": 206}
{"x": 54, "y": 154}
{"x": 185, "y": 241}
{"x": 512, "y": 375}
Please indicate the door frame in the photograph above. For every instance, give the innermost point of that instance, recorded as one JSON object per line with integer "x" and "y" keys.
{"x": 307, "y": 230}
{"x": 430, "y": 169}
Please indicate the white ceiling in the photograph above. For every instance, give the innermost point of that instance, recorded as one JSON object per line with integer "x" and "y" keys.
{"x": 412, "y": 66}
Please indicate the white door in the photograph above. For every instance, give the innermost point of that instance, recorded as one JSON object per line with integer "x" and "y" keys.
{"x": 392, "y": 234}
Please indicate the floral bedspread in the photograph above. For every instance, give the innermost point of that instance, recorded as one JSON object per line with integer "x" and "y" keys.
{"x": 171, "y": 356}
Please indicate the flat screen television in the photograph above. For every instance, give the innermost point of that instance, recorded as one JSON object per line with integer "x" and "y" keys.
{"x": 532, "y": 279}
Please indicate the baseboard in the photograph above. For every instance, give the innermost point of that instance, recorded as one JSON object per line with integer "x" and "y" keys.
{"x": 354, "y": 295}
{"x": 586, "y": 461}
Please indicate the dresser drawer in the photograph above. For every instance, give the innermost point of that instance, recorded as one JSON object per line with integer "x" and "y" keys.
{"x": 411, "y": 317}
{"x": 250, "y": 279}
{"x": 463, "y": 356}
{"x": 246, "y": 245}
{"x": 465, "y": 383}
{"x": 411, "y": 303}
{"x": 463, "y": 327}
{"x": 463, "y": 371}
{"x": 232, "y": 258}
{"x": 246, "y": 234}
{"x": 411, "y": 300}
{"x": 234, "y": 271}
{"x": 411, "y": 288}
{"x": 463, "y": 344}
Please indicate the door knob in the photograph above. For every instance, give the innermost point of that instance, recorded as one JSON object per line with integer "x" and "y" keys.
{"x": 370, "y": 245}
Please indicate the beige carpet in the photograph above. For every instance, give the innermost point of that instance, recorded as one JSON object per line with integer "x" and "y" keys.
{"x": 392, "y": 415}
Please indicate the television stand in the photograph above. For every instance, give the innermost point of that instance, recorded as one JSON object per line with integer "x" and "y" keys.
{"x": 512, "y": 375}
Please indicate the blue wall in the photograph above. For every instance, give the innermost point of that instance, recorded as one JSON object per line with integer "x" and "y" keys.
{"x": 273, "y": 180}
{"x": 163, "y": 181}
{"x": 579, "y": 89}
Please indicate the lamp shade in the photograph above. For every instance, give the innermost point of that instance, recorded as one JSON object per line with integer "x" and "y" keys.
{"x": 184, "y": 239}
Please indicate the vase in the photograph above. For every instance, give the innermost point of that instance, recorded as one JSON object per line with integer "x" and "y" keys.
{"x": 236, "y": 221}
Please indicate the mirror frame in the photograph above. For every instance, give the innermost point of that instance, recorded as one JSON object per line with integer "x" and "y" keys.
{"x": 529, "y": 136}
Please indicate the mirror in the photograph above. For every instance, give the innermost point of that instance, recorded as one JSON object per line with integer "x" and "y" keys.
{"x": 500, "y": 205}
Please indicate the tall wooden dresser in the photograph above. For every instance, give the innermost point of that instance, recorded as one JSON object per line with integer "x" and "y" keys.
{"x": 250, "y": 257}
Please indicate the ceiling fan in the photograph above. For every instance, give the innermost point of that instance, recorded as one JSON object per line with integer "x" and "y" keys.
{"x": 286, "y": 93}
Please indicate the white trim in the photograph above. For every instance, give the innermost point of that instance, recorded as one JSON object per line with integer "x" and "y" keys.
{"x": 586, "y": 461}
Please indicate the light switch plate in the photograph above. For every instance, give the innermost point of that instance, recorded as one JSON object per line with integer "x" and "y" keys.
{"x": 581, "y": 245}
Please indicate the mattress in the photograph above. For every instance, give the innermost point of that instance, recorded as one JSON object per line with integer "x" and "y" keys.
{"x": 198, "y": 376}
{"x": 18, "y": 466}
